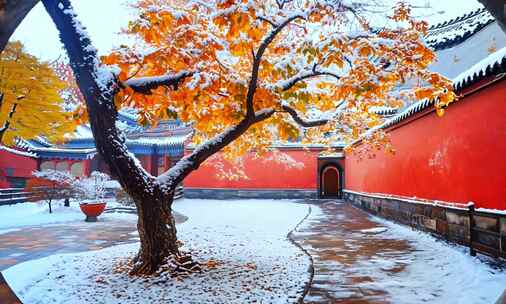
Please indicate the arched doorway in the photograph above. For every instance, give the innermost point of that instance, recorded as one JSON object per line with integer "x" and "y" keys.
{"x": 330, "y": 182}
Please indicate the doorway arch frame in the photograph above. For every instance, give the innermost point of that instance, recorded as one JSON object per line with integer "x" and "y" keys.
{"x": 331, "y": 165}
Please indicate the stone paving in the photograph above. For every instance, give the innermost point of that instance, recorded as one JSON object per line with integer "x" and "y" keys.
{"x": 343, "y": 241}
{"x": 35, "y": 242}
{"x": 337, "y": 251}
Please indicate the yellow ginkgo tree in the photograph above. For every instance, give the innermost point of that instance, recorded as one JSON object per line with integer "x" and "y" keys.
{"x": 30, "y": 101}
{"x": 244, "y": 74}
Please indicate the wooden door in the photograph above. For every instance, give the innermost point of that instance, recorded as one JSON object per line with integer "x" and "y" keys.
{"x": 330, "y": 182}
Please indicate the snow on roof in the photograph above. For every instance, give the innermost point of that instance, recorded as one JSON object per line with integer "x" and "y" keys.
{"x": 160, "y": 141}
{"x": 82, "y": 131}
{"x": 493, "y": 64}
{"x": 384, "y": 110}
{"x": 453, "y": 61}
{"x": 18, "y": 152}
{"x": 479, "y": 58}
{"x": 485, "y": 67}
{"x": 60, "y": 152}
{"x": 454, "y": 31}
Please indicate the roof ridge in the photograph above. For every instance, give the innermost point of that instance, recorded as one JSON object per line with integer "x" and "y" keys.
{"x": 455, "y": 31}
{"x": 493, "y": 64}
{"x": 460, "y": 18}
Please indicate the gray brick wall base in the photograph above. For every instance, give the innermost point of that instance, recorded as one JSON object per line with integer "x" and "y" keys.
{"x": 249, "y": 194}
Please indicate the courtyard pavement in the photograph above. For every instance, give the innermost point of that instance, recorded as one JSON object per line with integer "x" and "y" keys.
{"x": 338, "y": 250}
{"x": 361, "y": 259}
{"x": 34, "y": 242}
{"x": 356, "y": 259}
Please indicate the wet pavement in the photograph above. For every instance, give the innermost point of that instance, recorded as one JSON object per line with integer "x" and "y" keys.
{"x": 339, "y": 248}
{"x": 357, "y": 260}
{"x": 34, "y": 242}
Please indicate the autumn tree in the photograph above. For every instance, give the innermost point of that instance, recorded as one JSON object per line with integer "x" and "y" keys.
{"x": 30, "y": 101}
{"x": 244, "y": 74}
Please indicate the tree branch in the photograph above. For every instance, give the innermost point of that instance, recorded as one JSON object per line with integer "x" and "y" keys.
{"x": 281, "y": 3}
{"x": 7, "y": 123}
{"x": 144, "y": 85}
{"x": 289, "y": 83}
{"x": 12, "y": 12}
{"x": 98, "y": 86}
{"x": 262, "y": 18}
{"x": 250, "y": 110}
{"x": 185, "y": 166}
{"x": 303, "y": 122}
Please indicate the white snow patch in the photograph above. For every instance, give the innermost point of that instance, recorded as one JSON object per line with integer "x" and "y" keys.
{"x": 14, "y": 217}
{"x": 375, "y": 230}
{"x": 480, "y": 67}
{"x": 458, "y": 277}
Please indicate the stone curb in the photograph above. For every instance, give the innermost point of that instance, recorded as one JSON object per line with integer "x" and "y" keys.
{"x": 311, "y": 261}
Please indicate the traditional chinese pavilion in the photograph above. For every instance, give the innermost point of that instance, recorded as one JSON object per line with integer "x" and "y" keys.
{"x": 156, "y": 148}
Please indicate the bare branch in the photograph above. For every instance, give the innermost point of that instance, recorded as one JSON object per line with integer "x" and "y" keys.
{"x": 303, "y": 122}
{"x": 144, "y": 85}
{"x": 256, "y": 63}
{"x": 281, "y": 3}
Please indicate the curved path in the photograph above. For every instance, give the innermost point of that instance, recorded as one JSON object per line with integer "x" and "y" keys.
{"x": 358, "y": 258}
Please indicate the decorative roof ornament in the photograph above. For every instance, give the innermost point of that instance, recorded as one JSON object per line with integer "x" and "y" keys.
{"x": 449, "y": 33}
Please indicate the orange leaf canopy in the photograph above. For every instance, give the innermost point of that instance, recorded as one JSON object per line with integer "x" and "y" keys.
{"x": 323, "y": 60}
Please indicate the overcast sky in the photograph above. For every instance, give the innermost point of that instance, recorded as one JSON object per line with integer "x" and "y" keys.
{"x": 105, "y": 18}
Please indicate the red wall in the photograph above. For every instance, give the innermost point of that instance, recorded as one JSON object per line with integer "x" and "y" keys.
{"x": 460, "y": 157}
{"x": 262, "y": 174}
{"x": 22, "y": 166}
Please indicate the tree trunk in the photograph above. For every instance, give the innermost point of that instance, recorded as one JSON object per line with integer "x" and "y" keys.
{"x": 12, "y": 12}
{"x": 50, "y": 209}
{"x": 157, "y": 232}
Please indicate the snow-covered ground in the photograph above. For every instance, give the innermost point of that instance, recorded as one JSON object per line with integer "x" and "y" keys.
{"x": 362, "y": 257}
{"x": 449, "y": 270}
{"x": 247, "y": 240}
{"x": 13, "y": 217}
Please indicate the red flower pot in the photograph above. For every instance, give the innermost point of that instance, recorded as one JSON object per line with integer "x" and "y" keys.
{"x": 92, "y": 210}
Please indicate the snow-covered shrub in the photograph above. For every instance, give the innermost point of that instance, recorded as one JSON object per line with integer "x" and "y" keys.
{"x": 84, "y": 188}
{"x": 93, "y": 187}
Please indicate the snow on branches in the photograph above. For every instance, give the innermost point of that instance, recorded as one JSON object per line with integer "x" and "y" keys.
{"x": 291, "y": 57}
